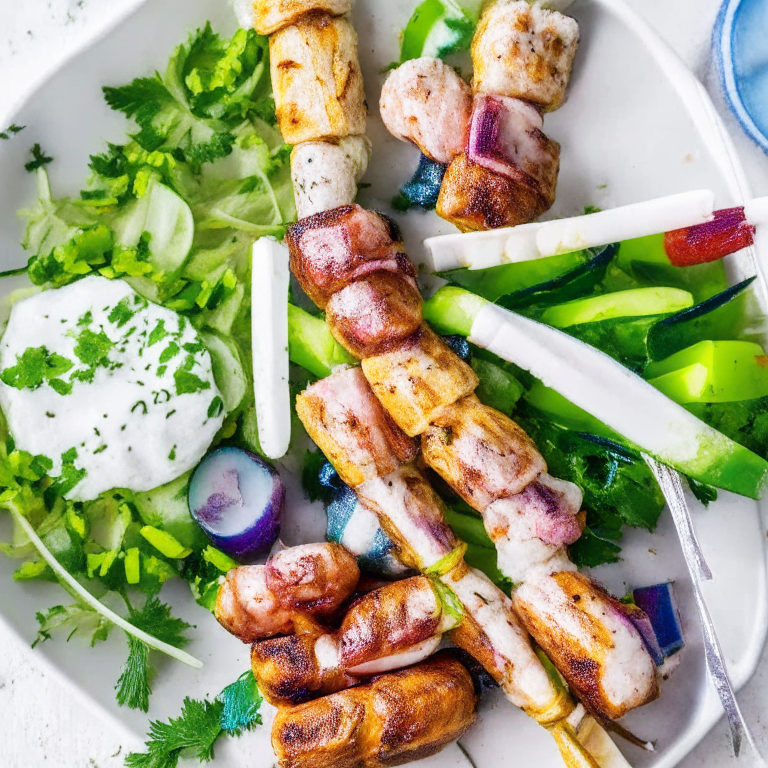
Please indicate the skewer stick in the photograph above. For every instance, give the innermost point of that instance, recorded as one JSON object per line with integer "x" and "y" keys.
{"x": 672, "y": 488}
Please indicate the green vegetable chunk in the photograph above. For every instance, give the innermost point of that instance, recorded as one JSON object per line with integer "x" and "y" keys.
{"x": 165, "y": 543}
{"x": 453, "y": 310}
{"x": 713, "y": 372}
{"x": 311, "y": 345}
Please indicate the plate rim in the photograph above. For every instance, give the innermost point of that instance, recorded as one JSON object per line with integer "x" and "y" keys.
{"x": 714, "y": 134}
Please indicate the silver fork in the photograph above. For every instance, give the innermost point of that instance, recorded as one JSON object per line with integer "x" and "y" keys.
{"x": 672, "y": 487}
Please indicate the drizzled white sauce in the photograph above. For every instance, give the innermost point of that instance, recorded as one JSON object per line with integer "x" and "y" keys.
{"x": 133, "y": 425}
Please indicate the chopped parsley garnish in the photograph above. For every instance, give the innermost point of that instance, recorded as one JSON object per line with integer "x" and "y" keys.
{"x": 39, "y": 159}
{"x": 35, "y": 366}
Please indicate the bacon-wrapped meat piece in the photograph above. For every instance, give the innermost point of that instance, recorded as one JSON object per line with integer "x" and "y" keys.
{"x": 295, "y": 587}
{"x": 475, "y": 198}
{"x": 525, "y": 52}
{"x": 392, "y": 627}
{"x": 589, "y": 637}
{"x": 506, "y": 137}
{"x": 481, "y": 453}
{"x": 316, "y": 79}
{"x": 419, "y": 378}
{"x": 412, "y": 514}
{"x": 348, "y": 423}
{"x": 375, "y": 313}
{"x": 330, "y": 250}
{"x": 394, "y": 719}
{"x": 272, "y": 15}
{"x": 534, "y": 525}
{"x": 425, "y": 102}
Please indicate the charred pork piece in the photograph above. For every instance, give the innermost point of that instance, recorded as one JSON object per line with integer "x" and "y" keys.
{"x": 393, "y": 627}
{"x": 413, "y": 516}
{"x": 481, "y": 453}
{"x": 418, "y": 379}
{"x": 330, "y": 250}
{"x": 590, "y": 638}
{"x": 534, "y": 525}
{"x": 475, "y": 198}
{"x": 326, "y": 174}
{"x": 375, "y": 313}
{"x": 342, "y": 415}
{"x": 506, "y": 137}
{"x": 394, "y": 719}
{"x": 524, "y": 52}
{"x": 426, "y": 103}
{"x": 272, "y": 15}
{"x": 295, "y": 588}
{"x": 316, "y": 79}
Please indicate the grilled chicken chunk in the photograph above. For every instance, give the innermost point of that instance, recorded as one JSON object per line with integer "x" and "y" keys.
{"x": 295, "y": 587}
{"x": 589, "y": 637}
{"x": 272, "y": 15}
{"x": 330, "y": 250}
{"x": 525, "y": 52}
{"x": 375, "y": 314}
{"x": 326, "y": 174}
{"x": 413, "y": 516}
{"x": 342, "y": 415}
{"x": 394, "y": 719}
{"x": 426, "y": 103}
{"x": 393, "y": 627}
{"x": 506, "y": 137}
{"x": 532, "y": 526}
{"x": 419, "y": 378}
{"x": 475, "y": 198}
{"x": 316, "y": 79}
{"x": 481, "y": 453}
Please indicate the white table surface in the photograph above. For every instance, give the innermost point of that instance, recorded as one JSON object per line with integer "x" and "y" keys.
{"x": 39, "y": 726}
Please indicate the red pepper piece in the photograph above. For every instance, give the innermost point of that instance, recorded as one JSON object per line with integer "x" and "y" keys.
{"x": 728, "y": 232}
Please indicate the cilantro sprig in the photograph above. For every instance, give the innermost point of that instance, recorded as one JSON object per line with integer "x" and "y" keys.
{"x": 200, "y": 725}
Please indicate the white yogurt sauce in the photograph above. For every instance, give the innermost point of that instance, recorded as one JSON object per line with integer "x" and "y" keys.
{"x": 131, "y": 391}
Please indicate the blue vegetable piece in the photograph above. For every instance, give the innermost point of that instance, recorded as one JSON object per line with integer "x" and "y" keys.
{"x": 660, "y": 605}
{"x": 238, "y": 501}
{"x": 424, "y": 188}
{"x": 357, "y": 528}
{"x": 459, "y": 345}
{"x": 644, "y": 626}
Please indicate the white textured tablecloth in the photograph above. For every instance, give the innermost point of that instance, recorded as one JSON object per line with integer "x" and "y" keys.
{"x": 39, "y": 726}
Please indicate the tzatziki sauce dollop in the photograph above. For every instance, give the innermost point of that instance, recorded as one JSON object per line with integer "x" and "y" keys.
{"x": 95, "y": 376}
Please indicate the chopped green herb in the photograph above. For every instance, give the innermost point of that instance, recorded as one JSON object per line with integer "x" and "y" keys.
{"x": 39, "y": 159}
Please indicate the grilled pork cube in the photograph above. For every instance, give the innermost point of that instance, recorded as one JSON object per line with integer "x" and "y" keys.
{"x": 394, "y": 719}
{"x": 342, "y": 415}
{"x": 474, "y": 198}
{"x": 426, "y": 103}
{"x": 413, "y": 516}
{"x": 316, "y": 80}
{"x": 260, "y": 601}
{"x": 375, "y": 313}
{"x": 326, "y": 174}
{"x": 506, "y": 137}
{"x": 272, "y": 15}
{"x": 392, "y": 627}
{"x": 481, "y": 453}
{"x": 524, "y": 52}
{"x": 491, "y": 633}
{"x": 419, "y": 378}
{"x": 531, "y": 527}
{"x": 330, "y": 250}
{"x": 589, "y": 637}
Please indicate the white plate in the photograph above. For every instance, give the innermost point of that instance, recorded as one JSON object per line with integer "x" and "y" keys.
{"x": 637, "y": 125}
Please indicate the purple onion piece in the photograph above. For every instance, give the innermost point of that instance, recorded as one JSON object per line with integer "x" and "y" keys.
{"x": 660, "y": 606}
{"x": 644, "y": 626}
{"x": 238, "y": 501}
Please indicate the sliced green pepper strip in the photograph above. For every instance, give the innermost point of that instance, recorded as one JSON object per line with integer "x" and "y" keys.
{"x": 164, "y": 543}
